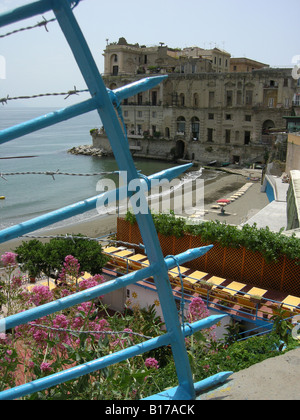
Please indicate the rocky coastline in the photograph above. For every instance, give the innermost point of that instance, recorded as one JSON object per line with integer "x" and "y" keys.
{"x": 87, "y": 150}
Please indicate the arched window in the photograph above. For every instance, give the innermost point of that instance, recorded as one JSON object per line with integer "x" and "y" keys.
{"x": 180, "y": 125}
{"x": 267, "y": 125}
{"x": 195, "y": 128}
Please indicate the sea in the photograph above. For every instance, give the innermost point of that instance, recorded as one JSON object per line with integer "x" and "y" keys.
{"x": 31, "y": 195}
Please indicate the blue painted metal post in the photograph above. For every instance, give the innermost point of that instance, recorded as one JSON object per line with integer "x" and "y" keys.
{"x": 123, "y": 157}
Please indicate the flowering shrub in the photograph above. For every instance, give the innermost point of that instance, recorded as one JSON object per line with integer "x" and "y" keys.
{"x": 151, "y": 363}
{"x": 9, "y": 259}
{"x": 88, "y": 331}
{"x": 198, "y": 310}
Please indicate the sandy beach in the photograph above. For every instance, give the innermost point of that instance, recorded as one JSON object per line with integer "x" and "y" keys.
{"x": 223, "y": 186}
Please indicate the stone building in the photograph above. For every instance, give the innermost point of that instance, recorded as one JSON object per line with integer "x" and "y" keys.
{"x": 203, "y": 111}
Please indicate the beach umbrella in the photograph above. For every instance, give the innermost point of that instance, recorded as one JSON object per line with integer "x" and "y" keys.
{"x": 223, "y": 200}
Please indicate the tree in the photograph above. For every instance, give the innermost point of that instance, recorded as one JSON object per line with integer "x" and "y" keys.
{"x": 49, "y": 258}
{"x": 88, "y": 253}
{"x": 31, "y": 255}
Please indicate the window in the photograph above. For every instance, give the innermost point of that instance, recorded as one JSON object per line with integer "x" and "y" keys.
{"x": 239, "y": 97}
{"x": 271, "y": 103}
{"x": 228, "y": 116}
{"x": 154, "y": 114}
{"x": 248, "y": 118}
{"x": 140, "y": 114}
{"x": 196, "y": 99}
{"x": 229, "y": 96}
{"x": 249, "y": 95}
{"x": 211, "y": 99}
{"x": 195, "y": 128}
{"x": 140, "y": 99}
{"x": 211, "y": 116}
{"x": 182, "y": 99}
{"x": 227, "y": 136}
{"x": 247, "y": 137}
{"x": 115, "y": 70}
{"x": 139, "y": 129}
{"x": 154, "y": 98}
{"x": 210, "y": 135}
{"x": 181, "y": 125}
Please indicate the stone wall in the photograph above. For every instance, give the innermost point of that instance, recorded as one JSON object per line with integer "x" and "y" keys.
{"x": 180, "y": 148}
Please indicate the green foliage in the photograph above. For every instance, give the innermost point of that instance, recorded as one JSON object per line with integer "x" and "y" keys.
{"x": 32, "y": 256}
{"x": 49, "y": 257}
{"x": 282, "y": 325}
{"x": 270, "y": 244}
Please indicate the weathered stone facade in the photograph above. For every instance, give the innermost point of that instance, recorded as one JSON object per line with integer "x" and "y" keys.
{"x": 200, "y": 115}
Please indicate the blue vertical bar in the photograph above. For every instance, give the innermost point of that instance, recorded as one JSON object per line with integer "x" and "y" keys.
{"x": 123, "y": 157}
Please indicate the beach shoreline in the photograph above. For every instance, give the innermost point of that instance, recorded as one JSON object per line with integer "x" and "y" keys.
{"x": 220, "y": 187}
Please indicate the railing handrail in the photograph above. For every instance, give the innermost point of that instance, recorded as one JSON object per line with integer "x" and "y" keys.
{"x": 105, "y": 103}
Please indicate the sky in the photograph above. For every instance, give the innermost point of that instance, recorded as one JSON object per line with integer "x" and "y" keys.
{"x": 37, "y": 61}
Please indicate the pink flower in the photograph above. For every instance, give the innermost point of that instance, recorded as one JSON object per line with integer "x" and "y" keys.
{"x": 45, "y": 367}
{"x": 91, "y": 282}
{"x": 40, "y": 295}
{"x": 16, "y": 282}
{"x": 151, "y": 363}
{"x": 206, "y": 368}
{"x": 197, "y": 309}
{"x": 71, "y": 268}
{"x": 9, "y": 259}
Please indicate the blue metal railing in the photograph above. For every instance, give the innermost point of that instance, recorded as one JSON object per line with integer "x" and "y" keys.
{"x": 104, "y": 100}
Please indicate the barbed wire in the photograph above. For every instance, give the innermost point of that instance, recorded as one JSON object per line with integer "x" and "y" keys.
{"x": 40, "y": 95}
{"x": 41, "y": 24}
{"x": 53, "y": 174}
{"x": 60, "y": 237}
{"x": 89, "y": 332}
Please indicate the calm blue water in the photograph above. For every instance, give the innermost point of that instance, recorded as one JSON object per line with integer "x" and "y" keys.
{"x": 28, "y": 196}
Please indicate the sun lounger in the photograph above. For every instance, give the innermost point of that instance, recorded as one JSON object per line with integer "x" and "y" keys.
{"x": 291, "y": 303}
{"x": 135, "y": 262}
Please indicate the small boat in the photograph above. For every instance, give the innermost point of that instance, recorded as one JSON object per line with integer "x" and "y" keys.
{"x": 212, "y": 163}
{"x": 2, "y": 197}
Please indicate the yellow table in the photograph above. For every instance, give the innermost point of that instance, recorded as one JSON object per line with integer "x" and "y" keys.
{"x": 234, "y": 287}
{"x": 256, "y": 291}
{"x": 123, "y": 254}
{"x": 290, "y": 302}
{"x": 137, "y": 257}
{"x": 135, "y": 261}
{"x": 145, "y": 263}
{"x": 110, "y": 249}
{"x": 216, "y": 281}
{"x": 175, "y": 272}
{"x": 198, "y": 275}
